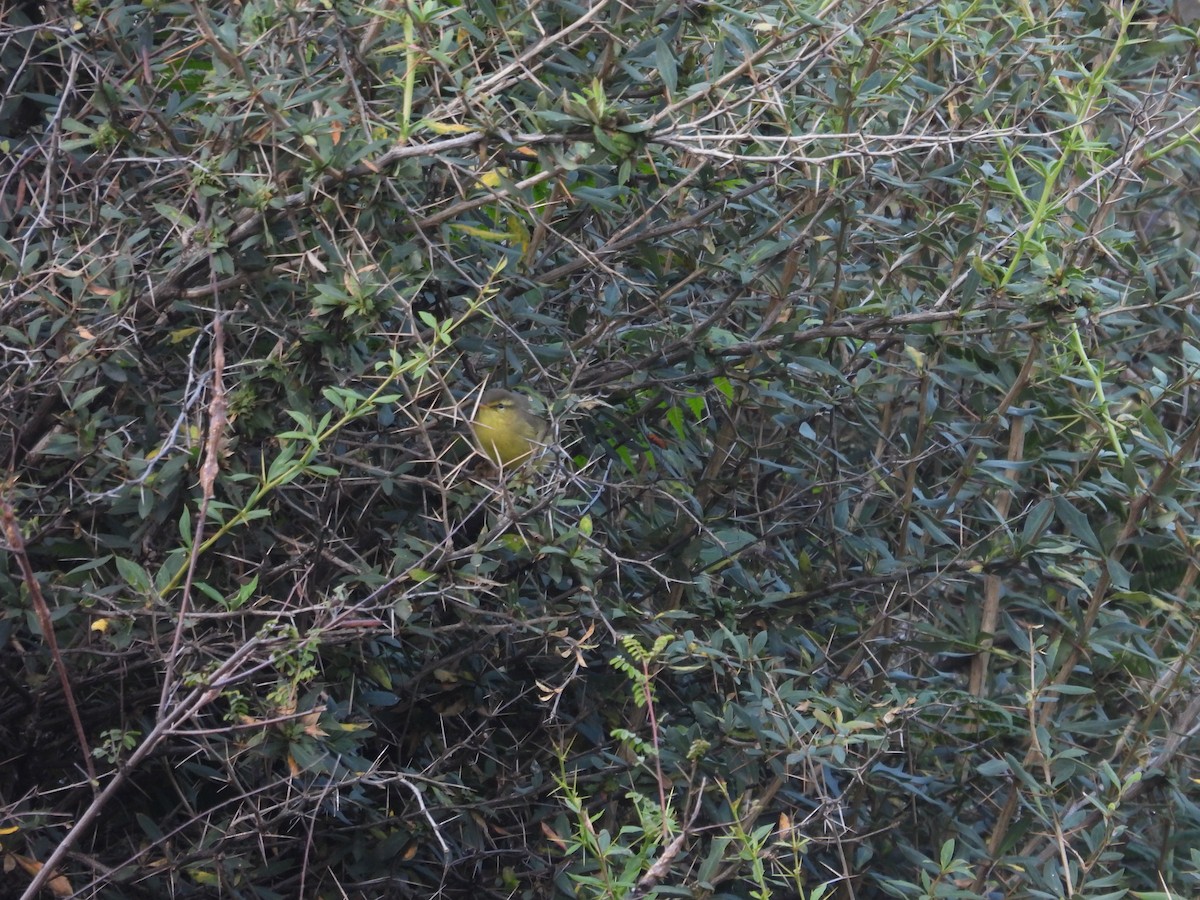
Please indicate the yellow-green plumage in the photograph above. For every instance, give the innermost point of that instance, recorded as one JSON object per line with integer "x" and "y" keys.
{"x": 506, "y": 429}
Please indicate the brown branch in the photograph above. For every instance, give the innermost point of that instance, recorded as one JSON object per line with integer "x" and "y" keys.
{"x": 989, "y": 619}
{"x": 213, "y": 446}
{"x": 12, "y": 534}
{"x": 662, "y": 866}
{"x": 200, "y": 697}
{"x": 1137, "y": 509}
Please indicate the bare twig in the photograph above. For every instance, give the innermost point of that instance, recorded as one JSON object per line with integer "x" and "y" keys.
{"x": 16, "y": 543}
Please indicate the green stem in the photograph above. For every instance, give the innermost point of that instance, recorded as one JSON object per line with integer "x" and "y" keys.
{"x": 1098, "y": 387}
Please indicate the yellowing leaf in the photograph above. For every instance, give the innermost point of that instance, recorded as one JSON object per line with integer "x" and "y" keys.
{"x": 58, "y": 884}
{"x": 553, "y": 836}
{"x": 182, "y": 334}
{"x": 449, "y": 710}
{"x": 486, "y": 234}
{"x": 492, "y": 177}
{"x": 448, "y": 127}
{"x": 311, "y": 724}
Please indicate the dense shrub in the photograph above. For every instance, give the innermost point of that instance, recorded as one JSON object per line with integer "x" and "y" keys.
{"x": 862, "y": 566}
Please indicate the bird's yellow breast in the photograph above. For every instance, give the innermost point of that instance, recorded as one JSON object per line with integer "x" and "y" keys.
{"x": 505, "y": 432}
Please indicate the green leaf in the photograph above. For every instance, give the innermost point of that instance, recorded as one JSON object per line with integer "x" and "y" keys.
{"x": 1076, "y": 523}
{"x": 134, "y": 575}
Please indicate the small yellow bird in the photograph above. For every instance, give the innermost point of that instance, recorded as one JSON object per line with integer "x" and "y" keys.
{"x": 506, "y": 428}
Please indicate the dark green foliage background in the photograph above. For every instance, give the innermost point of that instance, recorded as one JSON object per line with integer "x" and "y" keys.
{"x": 867, "y": 331}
